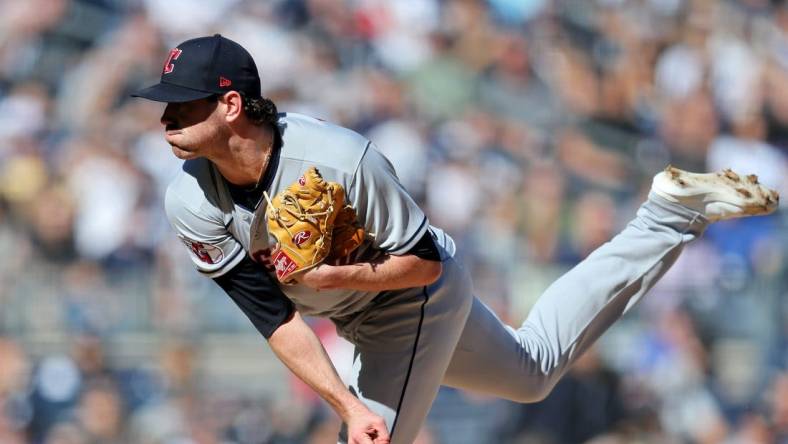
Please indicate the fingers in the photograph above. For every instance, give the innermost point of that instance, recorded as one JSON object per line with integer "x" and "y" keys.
{"x": 374, "y": 433}
{"x": 381, "y": 432}
{"x": 364, "y": 438}
{"x": 380, "y": 440}
{"x": 361, "y": 438}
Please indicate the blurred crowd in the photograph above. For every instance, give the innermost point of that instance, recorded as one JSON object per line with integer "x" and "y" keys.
{"x": 528, "y": 129}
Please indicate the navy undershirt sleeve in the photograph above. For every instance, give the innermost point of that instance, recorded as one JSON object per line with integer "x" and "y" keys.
{"x": 425, "y": 248}
{"x": 257, "y": 295}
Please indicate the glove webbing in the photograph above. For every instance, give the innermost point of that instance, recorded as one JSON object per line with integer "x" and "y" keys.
{"x": 300, "y": 215}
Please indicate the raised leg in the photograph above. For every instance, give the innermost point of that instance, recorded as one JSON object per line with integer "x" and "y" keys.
{"x": 524, "y": 364}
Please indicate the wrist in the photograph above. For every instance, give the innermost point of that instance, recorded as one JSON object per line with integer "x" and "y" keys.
{"x": 349, "y": 406}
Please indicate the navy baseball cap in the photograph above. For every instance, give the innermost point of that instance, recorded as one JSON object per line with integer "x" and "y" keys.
{"x": 203, "y": 67}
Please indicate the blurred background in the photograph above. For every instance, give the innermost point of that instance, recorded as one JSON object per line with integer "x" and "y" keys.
{"x": 528, "y": 129}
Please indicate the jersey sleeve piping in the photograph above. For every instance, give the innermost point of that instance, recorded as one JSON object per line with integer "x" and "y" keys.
{"x": 413, "y": 240}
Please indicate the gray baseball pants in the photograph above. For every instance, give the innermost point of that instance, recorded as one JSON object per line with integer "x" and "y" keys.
{"x": 408, "y": 344}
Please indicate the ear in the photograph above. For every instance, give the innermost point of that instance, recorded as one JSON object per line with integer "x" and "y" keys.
{"x": 233, "y": 104}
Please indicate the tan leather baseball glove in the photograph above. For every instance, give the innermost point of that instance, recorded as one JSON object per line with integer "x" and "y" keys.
{"x": 347, "y": 235}
{"x": 301, "y": 218}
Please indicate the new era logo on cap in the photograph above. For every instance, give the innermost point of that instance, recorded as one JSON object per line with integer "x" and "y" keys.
{"x": 202, "y": 67}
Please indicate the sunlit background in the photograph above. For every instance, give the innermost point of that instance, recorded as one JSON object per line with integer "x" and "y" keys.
{"x": 528, "y": 129}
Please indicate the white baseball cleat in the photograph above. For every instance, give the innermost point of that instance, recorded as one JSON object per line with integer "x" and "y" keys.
{"x": 717, "y": 196}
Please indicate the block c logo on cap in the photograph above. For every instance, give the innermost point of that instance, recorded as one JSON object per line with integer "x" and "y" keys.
{"x": 168, "y": 65}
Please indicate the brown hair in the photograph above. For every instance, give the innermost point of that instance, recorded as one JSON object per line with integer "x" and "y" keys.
{"x": 260, "y": 110}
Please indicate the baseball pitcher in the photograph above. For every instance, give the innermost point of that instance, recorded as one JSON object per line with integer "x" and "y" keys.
{"x": 294, "y": 216}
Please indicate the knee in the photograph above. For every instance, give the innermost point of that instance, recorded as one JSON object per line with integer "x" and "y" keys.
{"x": 533, "y": 390}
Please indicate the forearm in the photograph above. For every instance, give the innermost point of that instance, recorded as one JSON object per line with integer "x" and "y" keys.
{"x": 299, "y": 349}
{"x": 387, "y": 273}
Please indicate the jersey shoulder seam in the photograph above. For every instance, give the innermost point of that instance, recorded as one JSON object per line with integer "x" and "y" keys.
{"x": 360, "y": 161}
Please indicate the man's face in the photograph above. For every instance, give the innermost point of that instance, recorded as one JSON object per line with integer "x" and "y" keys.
{"x": 192, "y": 128}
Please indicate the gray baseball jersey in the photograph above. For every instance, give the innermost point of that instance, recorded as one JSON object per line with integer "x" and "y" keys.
{"x": 409, "y": 342}
{"x": 219, "y": 231}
